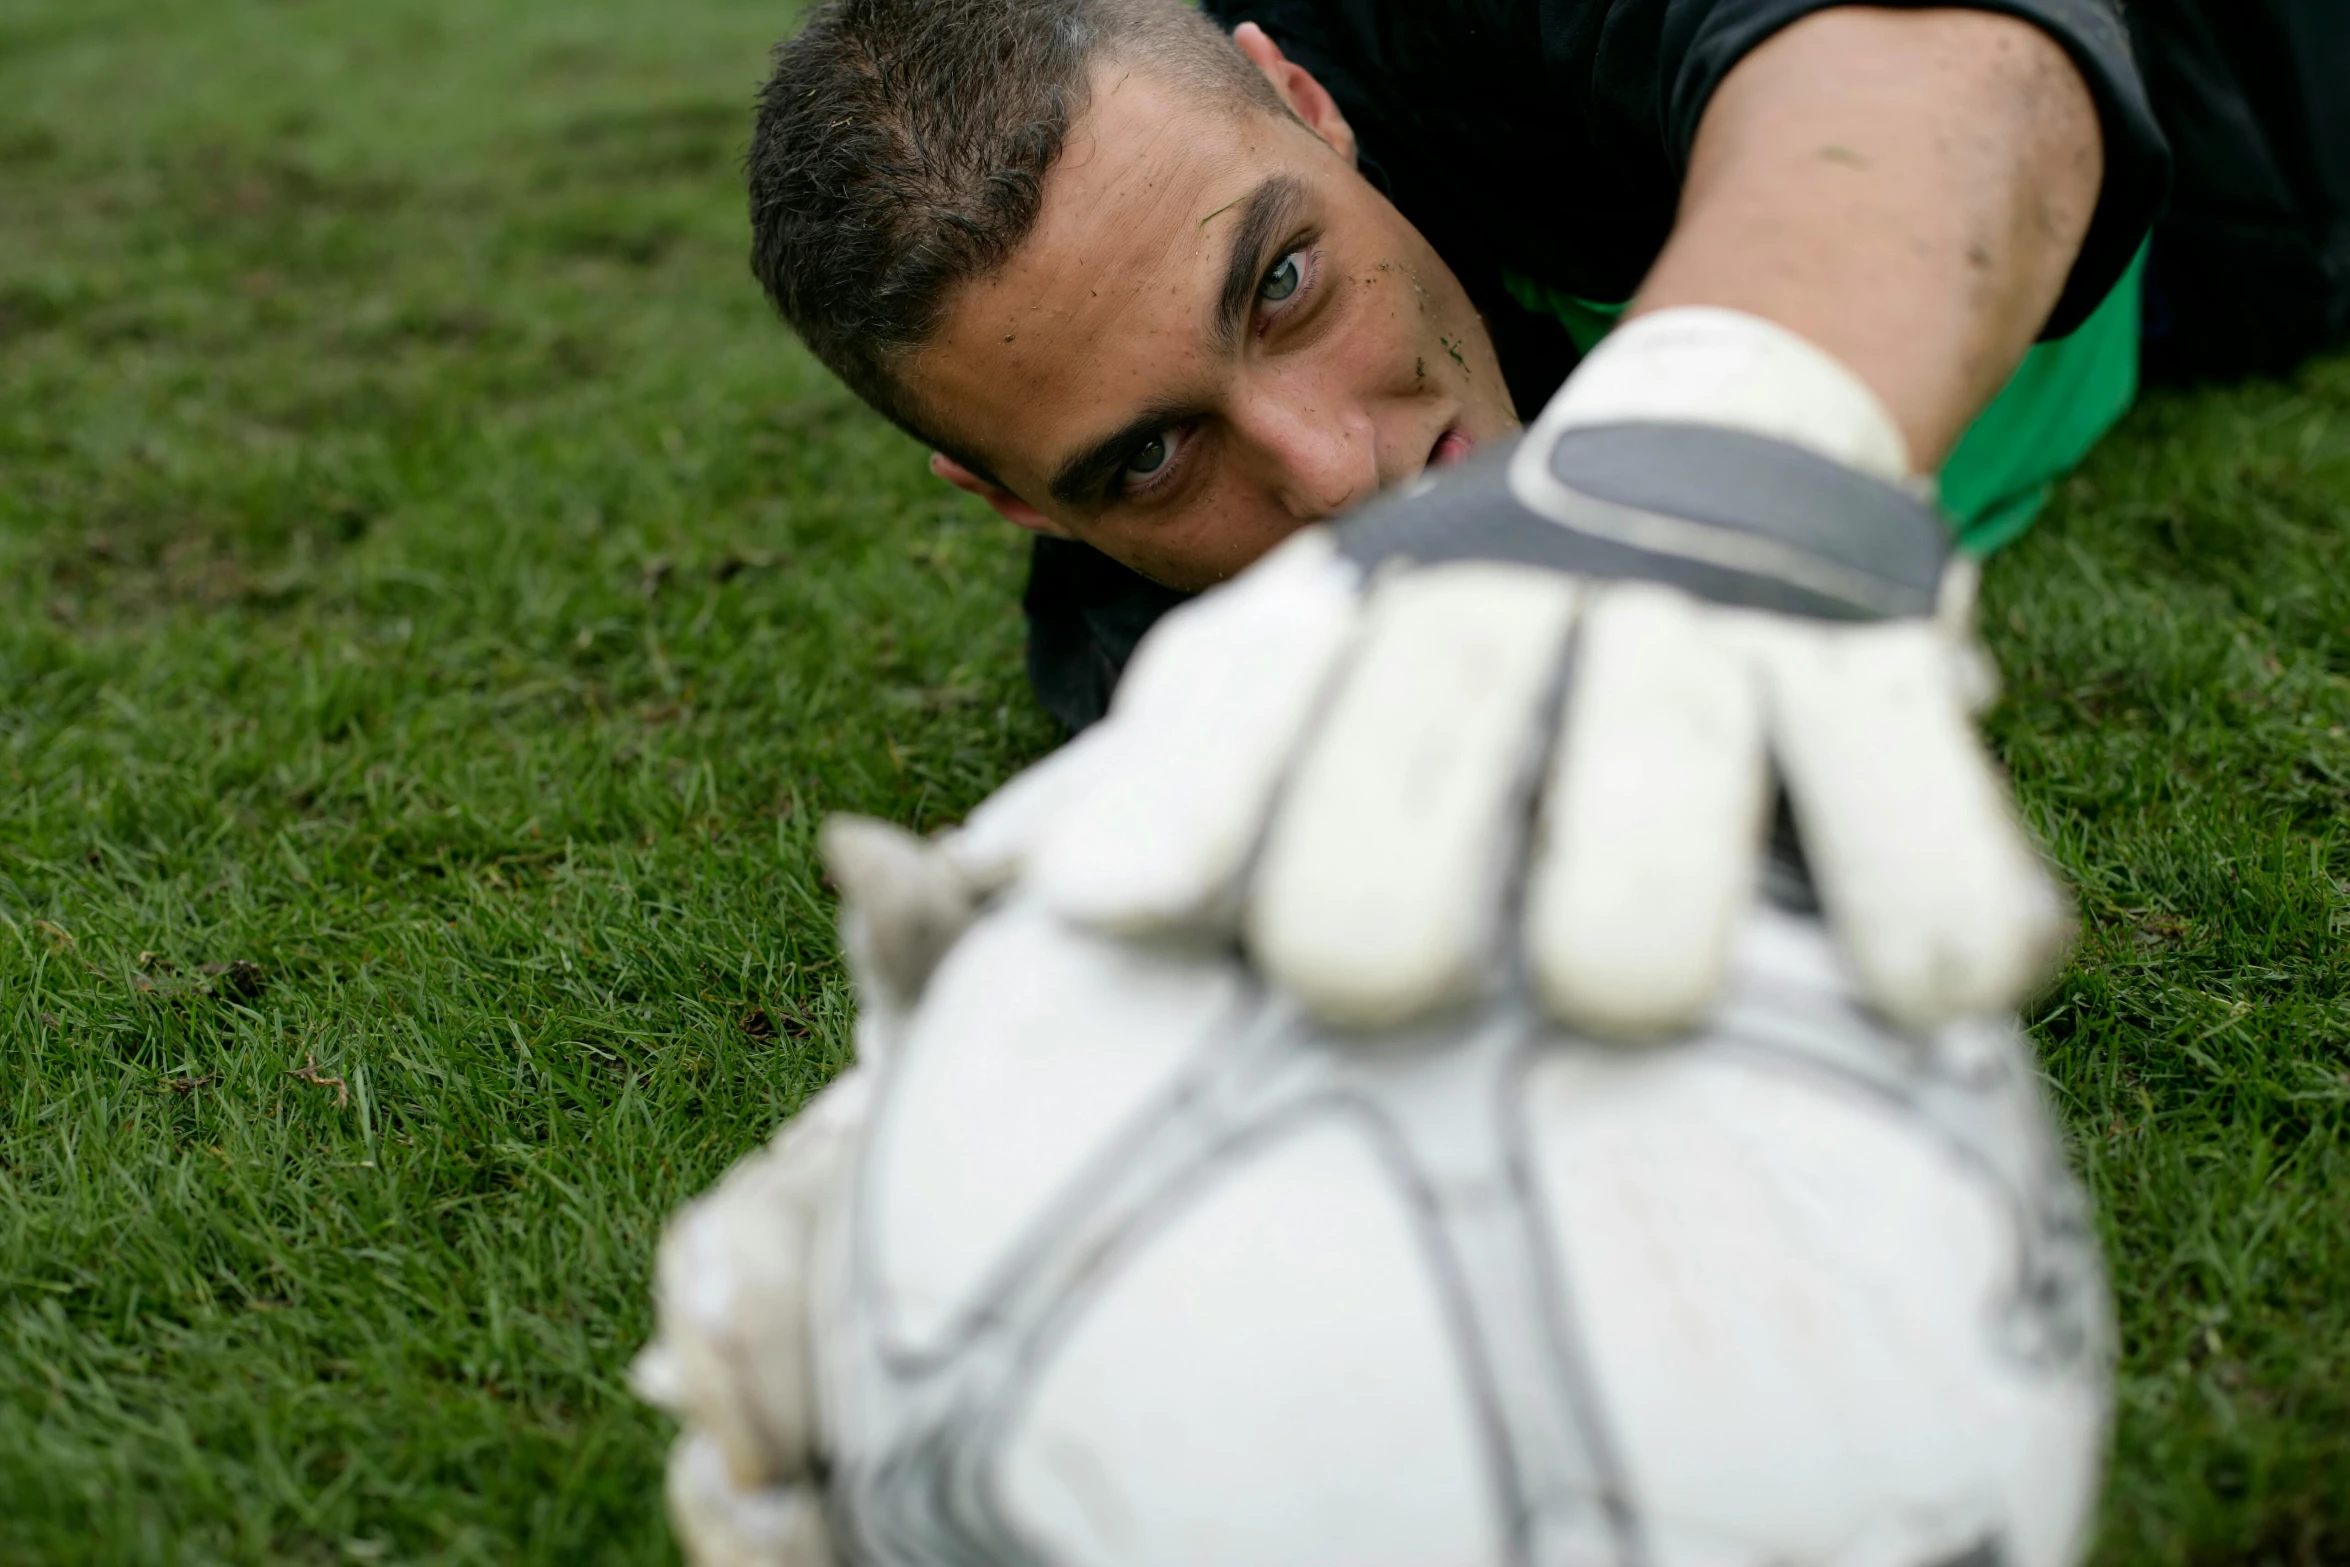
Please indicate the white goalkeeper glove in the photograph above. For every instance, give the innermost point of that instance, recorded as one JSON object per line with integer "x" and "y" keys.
{"x": 1706, "y": 558}
{"x": 732, "y": 1357}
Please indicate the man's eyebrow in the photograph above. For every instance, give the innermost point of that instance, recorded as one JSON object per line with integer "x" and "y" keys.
{"x": 1080, "y": 480}
{"x": 1264, "y": 213}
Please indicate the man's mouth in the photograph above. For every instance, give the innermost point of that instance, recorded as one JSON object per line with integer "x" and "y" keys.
{"x": 1451, "y": 447}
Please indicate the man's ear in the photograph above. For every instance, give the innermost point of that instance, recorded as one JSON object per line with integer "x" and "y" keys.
{"x": 1008, "y": 506}
{"x": 1307, "y": 98}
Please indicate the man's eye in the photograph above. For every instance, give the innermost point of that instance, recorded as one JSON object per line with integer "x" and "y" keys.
{"x": 1283, "y": 280}
{"x": 1149, "y": 457}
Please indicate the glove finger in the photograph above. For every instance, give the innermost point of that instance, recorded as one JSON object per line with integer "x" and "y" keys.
{"x": 721, "y": 1524}
{"x": 1938, "y": 898}
{"x": 734, "y": 1320}
{"x": 903, "y": 903}
{"x": 733, "y": 1355}
{"x": 1204, "y": 726}
{"x": 1651, "y": 820}
{"x": 993, "y": 846}
{"x": 1380, "y": 890}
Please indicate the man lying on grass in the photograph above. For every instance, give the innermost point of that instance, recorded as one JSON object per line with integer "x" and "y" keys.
{"x": 1039, "y": 258}
{"x": 1167, "y": 296}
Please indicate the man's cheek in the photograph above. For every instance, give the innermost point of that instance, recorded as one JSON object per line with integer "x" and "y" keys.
{"x": 1198, "y": 563}
{"x": 1171, "y": 563}
{"x": 1207, "y": 553}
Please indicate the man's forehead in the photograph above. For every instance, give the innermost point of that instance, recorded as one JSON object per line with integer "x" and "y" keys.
{"x": 1124, "y": 202}
{"x": 1115, "y": 286}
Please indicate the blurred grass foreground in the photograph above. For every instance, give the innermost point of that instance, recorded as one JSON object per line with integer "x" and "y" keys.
{"x": 436, "y": 606}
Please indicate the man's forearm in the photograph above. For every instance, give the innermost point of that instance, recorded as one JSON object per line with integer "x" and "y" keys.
{"x": 1907, "y": 189}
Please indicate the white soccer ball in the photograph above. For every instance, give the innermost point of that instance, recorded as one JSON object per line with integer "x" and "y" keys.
{"x": 1138, "y": 1266}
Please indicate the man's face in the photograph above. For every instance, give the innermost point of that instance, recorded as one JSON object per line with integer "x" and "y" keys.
{"x": 1217, "y": 333}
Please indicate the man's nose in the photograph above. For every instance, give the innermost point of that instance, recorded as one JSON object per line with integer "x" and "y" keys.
{"x": 1319, "y": 462}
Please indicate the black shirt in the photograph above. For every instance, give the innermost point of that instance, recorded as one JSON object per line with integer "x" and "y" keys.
{"x": 1548, "y": 138}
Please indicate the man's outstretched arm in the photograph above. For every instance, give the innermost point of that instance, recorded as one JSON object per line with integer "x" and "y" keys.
{"x": 1905, "y": 189}
{"x": 1698, "y": 583}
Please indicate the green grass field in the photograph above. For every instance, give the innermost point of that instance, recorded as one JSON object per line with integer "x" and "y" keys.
{"x": 437, "y": 605}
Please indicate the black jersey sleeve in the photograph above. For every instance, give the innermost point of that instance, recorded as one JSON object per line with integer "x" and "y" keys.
{"x": 1549, "y": 137}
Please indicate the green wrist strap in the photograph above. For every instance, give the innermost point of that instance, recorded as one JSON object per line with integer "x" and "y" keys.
{"x": 2062, "y": 399}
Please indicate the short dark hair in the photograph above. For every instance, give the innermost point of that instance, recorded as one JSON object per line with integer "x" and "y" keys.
{"x": 901, "y": 147}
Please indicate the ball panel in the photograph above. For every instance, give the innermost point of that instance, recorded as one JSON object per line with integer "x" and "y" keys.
{"x": 1788, "y": 1297}
{"x": 1035, "y": 1044}
{"x": 1270, "y": 1380}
